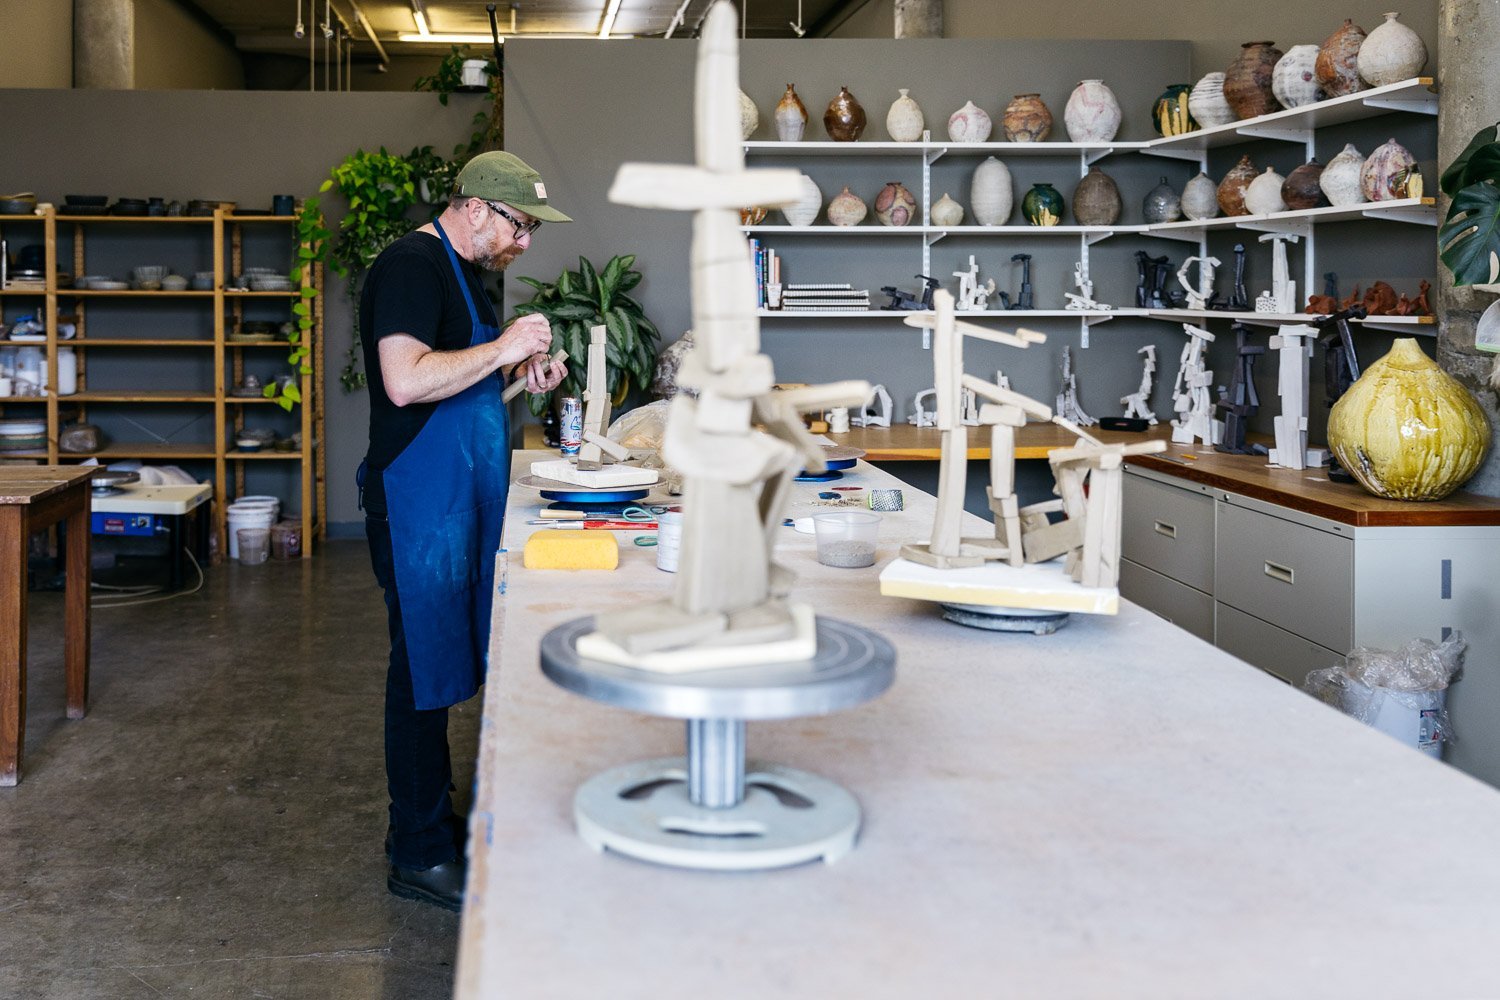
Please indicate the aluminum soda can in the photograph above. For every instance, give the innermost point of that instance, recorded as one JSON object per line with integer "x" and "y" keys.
{"x": 570, "y": 425}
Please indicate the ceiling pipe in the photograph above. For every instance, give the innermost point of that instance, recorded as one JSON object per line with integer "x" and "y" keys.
{"x": 369, "y": 30}
{"x": 835, "y": 18}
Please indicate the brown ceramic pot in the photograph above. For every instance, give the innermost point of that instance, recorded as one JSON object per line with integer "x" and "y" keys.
{"x": 1096, "y": 200}
{"x": 1232, "y": 187}
{"x": 1247, "y": 81}
{"x": 790, "y": 116}
{"x": 1300, "y": 190}
{"x": 1337, "y": 67}
{"x": 1027, "y": 119}
{"x": 845, "y": 118}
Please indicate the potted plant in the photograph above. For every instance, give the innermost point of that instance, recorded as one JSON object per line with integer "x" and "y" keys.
{"x": 1469, "y": 239}
{"x": 585, "y": 298}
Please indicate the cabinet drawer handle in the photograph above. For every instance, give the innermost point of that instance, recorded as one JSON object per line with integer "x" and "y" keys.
{"x": 1163, "y": 528}
{"x": 1276, "y": 571}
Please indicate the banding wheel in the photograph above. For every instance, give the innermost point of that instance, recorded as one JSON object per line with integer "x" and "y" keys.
{"x": 998, "y": 619}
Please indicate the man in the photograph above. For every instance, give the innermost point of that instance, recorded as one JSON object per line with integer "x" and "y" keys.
{"x": 434, "y": 483}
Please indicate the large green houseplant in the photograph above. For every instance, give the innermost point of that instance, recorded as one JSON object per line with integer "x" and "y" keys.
{"x": 1469, "y": 240}
{"x": 585, "y": 298}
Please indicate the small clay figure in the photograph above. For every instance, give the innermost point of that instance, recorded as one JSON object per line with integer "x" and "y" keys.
{"x": 1380, "y": 300}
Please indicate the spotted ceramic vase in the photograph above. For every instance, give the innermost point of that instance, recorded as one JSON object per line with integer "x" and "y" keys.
{"x": 1161, "y": 204}
{"x": 1294, "y": 81}
{"x": 1207, "y": 104}
{"x": 1232, "y": 188}
{"x": 1200, "y": 198}
{"x": 847, "y": 209}
{"x": 790, "y": 116}
{"x": 1027, "y": 119}
{"x": 1386, "y": 172}
{"x": 1247, "y": 81}
{"x": 904, "y": 121}
{"x": 1340, "y": 179}
{"x": 894, "y": 205}
{"x": 1406, "y": 429}
{"x": 991, "y": 194}
{"x": 1337, "y": 65}
{"x": 969, "y": 123}
{"x": 844, "y": 121}
{"x": 1392, "y": 53}
{"x": 749, "y": 116}
{"x": 1093, "y": 113}
{"x": 1096, "y": 200}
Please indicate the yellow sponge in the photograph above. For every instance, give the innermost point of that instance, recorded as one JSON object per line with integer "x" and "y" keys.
{"x": 549, "y": 549}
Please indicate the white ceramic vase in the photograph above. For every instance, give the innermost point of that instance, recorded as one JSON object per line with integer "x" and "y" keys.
{"x": 1200, "y": 198}
{"x": 749, "y": 116}
{"x": 1263, "y": 195}
{"x": 1206, "y": 102}
{"x": 1384, "y": 173}
{"x": 790, "y": 116}
{"x": 847, "y": 208}
{"x": 904, "y": 121}
{"x": 991, "y": 196}
{"x": 804, "y": 211}
{"x": 946, "y": 212}
{"x": 969, "y": 123}
{"x": 1092, "y": 114}
{"x": 1340, "y": 180}
{"x": 1391, "y": 53}
{"x": 1294, "y": 81}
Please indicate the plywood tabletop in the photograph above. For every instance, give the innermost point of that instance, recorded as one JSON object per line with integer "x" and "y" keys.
{"x": 905, "y": 443}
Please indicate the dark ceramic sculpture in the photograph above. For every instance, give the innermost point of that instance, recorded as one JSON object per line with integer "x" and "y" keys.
{"x": 845, "y": 118}
{"x": 1301, "y": 190}
{"x": 1247, "y": 81}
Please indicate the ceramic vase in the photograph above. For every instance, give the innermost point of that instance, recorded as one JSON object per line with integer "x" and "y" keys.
{"x": 1247, "y": 81}
{"x": 749, "y": 116}
{"x": 1340, "y": 179}
{"x": 1200, "y": 198}
{"x": 1096, "y": 200}
{"x": 1337, "y": 66}
{"x": 1042, "y": 206}
{"x": 1391, "y": 53}
{"x": 791, "y": 116}
{"x": 1207, "y": 104}
{"x": 1161, "y": 204}
{"x": 1171, "y": 114}
{"x": 804, "y": 211}
{"x": 1384, "y": 175}
{"x": 1092, "y": 114}
{"x": 1263, "y": 195}
{"x": 904, "y": 121}
{"x": 969, "y": 124}
{"x": 1408, "y": 430}
{"x": 1300, "y": 190}
{"x": 846, "y": 209}
{"x": 991, "y": 196}
{"x": 1231, "y": 191}
{"x": 844, "y": 121}
{"x": 895, "y": 205}
{"x": 1027, "y": 119}
{"x": 946, "y": 212}
{"x": 1294, "y": 80}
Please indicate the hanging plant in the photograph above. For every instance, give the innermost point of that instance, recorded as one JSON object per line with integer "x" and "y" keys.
{"x": 1469, "y": 239}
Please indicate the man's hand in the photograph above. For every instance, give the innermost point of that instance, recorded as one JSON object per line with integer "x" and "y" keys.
{"x": 543, "y": 374}
{"x": 528, "y": 335}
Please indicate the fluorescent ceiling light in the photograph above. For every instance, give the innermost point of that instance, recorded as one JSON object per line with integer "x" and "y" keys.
{"x": 610, "y": 13}
{"x": 474, "y": 39}
{"x": 421, "y": 19}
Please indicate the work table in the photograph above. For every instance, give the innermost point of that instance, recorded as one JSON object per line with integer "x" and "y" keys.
{"x": 1118, "y": 809}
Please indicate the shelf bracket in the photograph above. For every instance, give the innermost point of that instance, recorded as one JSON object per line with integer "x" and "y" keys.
{"x": 1198, "y": 156}
{"x": 1089, "y": 239}
{"x": 1426, "y": 104}
{"x": 1295, "y": 227}
{"x": 1093, "y": 156}
{"x": 933, "y": 155}
{"x": 1421, "y": 215}
{"x": 1187, "y": 234}
{"x": 1301, "y": 136}
{"x": 932, "y": 237}
{"x": 1405, "y": 329}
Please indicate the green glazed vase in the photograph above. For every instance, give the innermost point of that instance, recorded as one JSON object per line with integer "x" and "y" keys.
{"x": 1042, "y": 206}
{"x": 1170, "y": 114}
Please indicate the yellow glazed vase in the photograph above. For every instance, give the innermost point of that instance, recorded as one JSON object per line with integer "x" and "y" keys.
{"x": 1406, "y": 429}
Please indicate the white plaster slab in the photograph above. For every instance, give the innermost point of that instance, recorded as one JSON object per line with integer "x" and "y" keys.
{"x": 615, "y": 476}
{"x": 802, "y": 646}
{"x": 1033, "y": 587}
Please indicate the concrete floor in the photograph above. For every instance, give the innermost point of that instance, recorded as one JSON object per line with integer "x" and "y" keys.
{"x": 214, "y": 827}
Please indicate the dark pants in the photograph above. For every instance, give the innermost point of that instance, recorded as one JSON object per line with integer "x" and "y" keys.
{"x": 418, "y": 770}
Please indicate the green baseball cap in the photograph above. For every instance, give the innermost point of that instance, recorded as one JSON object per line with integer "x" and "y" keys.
{"x": 501, "y": 176}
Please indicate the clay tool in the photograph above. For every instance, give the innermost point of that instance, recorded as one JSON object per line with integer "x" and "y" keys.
{"x": 519, "y": 385}
{"x": 597, "y": 525}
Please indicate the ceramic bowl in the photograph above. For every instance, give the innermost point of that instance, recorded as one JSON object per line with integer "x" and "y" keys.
{"x": 151, "y": 272}
{"x": 176, "y": 283}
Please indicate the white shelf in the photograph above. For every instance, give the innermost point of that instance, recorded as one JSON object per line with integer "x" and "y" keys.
{"x": 1411, "y": 325}
{"x": 825, "y": 148}
{"x": 940, "y": 231}
{"x": 878, "y": 313}
{"x": 1418, "y": 211}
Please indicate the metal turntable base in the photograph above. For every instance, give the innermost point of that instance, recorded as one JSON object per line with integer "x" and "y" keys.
{"x": 997, "y": 619}
{"x": 706, "y": 810}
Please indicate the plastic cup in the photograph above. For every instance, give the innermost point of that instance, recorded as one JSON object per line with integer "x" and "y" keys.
{"x": 846, "y": 538}
{"x": 254, "y": 545}
{"x": 286, "y": 540}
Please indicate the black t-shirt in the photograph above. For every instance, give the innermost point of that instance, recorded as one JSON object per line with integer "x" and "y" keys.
{"x": 410, "y": 289}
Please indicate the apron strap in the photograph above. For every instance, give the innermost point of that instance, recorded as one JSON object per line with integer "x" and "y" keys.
{"x": 463, "y": 280}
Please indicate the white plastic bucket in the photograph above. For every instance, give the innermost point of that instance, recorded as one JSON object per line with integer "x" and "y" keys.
{"x": 259, "y": 515}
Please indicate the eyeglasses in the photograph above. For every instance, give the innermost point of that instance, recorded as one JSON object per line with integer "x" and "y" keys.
{"x": 521, "y": 228}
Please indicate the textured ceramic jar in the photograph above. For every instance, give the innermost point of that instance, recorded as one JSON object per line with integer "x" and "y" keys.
{"x": 904, "y": 121}
{"x": 1200, "y": 198}
{"x": 749, "y": 116}
{"x": 1161, "y": 204}
{"x": 1300, "y": 190}
{"x": 1337, "y": 66}
{"x": 804, "y": 211}
{"x": 991, "y": 194}
{"x": 1043, "y": 205}
{"x": 946, "y": 212}
{"x": 1263, "y": 195}
{"x": 1408, "y": 430}
{"x": 844, "y": 121}
{"x": 790, "y": 116}
{"x": 1247, "y": 81}
{"x": 1096, "y": 200}
{"x": 1385, "y": 172}
{"x": 847, "y": 209}
{"x": 1231, "y": 191}
{"x": 970, "y": 123}
{"x": 1391, "y": 53}
{"x": 1294, "y": 81}
{"x": 1340, "y": 179}
{"x": 1092, "y": 114}
{"x": 1207, "y": 104}
{"x": 895, "y": 205}
{"x": 1026, "y": 119}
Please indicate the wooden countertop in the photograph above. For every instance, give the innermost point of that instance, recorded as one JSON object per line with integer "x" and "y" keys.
{"x": 1310, "y": 491}
{"x": 28, "y": 484}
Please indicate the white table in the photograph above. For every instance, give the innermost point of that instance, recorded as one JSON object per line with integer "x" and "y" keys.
{"x": 1117, "y": 810}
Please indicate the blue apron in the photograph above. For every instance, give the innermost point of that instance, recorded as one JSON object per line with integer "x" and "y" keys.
{"x": 445, "y": 497}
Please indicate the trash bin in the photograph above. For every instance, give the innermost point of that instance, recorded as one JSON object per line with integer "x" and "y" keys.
{"x": 1401, "y": 692}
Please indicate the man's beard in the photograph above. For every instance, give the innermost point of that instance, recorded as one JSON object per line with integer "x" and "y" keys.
{"x": 488, "y": 256}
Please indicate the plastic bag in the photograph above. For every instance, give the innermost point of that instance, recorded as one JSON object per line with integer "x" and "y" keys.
{"x": 1397, "y": 691}
{"x": 643, "y": 428}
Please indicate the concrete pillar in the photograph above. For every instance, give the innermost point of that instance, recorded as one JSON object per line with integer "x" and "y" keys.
{"x": 1468, "y": 58}
{"x": 104, "y": 44}
{"x": 919, "y": 18}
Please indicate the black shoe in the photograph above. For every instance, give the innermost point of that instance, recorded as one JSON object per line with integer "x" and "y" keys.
{"x": 441, "y": 885}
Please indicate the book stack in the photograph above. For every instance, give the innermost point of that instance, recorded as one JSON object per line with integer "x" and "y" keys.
{"x": 824, "y": 298}
{"x": 767, "y": 270}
